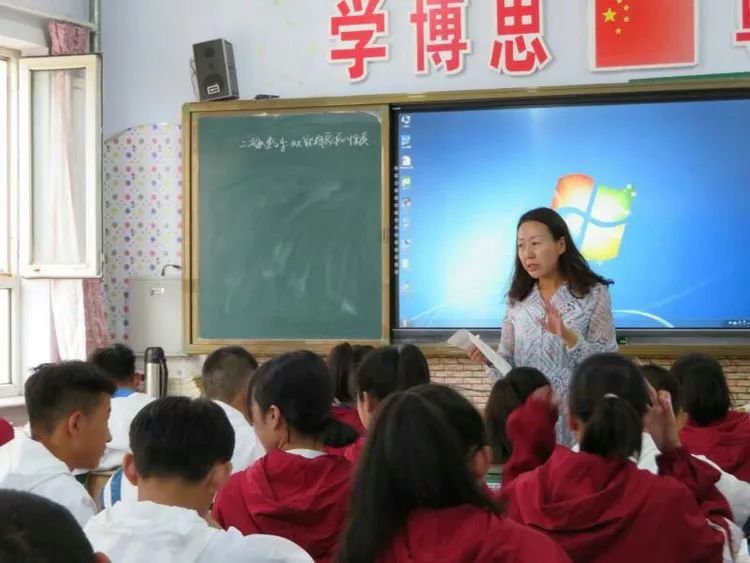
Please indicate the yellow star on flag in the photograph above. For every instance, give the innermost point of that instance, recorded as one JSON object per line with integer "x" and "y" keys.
{"x": 609, "y": 15}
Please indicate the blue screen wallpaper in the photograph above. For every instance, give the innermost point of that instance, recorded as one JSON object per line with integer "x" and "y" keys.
{"x": 657, "y": 196}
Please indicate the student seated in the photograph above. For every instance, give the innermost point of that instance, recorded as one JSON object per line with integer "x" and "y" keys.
{"x": 6, "y": 432}
{"x": 35, "y": 529}
{"x": 418, "y": 493}
{"x": 343, "y": 360}
{"x": 296, "y": 490}
{"x": 507, "y": 395}
{"x": 118, "y": 361}
{"x": 596, "y": 503}
{"x": 181, "y": 452}
{"x": 384, "y": 371}
{"x": 712, "y": 429}
{"x": 68, "y": 407}
{"x": 226, "y": 374}
{"x": 735, "y": 491}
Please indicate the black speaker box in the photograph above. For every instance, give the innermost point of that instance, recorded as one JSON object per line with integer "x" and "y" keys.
{"x": 217, "y": 75}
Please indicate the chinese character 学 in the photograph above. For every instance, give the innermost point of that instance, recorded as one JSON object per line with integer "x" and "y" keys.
{"x": 358, "y": 26}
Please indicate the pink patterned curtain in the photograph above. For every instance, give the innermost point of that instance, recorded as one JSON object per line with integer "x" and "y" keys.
{"x": 76, "y": 304}
{"x": 68, "y": 39}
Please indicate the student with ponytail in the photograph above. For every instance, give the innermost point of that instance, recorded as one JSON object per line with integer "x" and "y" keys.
{"x": 596, "y": 503}
{"x": 507, "y": 395}
{"x": 417, "y": 493}
{"x": 296, "y": 490}
{"x": 343, "y": 360}
{"x": 384, "y": 371}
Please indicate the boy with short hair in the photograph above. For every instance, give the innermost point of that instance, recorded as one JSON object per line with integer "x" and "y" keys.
{"x": 226, "y": 374}
{"x": 118, "y": 361}
{"x": 68, "y": 405}
{"x": 181, "y": 452}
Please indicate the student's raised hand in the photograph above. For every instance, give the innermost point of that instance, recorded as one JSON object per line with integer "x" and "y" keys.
{"x": 660, "y": 421}
{"x": 476, "y": 356}
{"x": 545, "y": 395}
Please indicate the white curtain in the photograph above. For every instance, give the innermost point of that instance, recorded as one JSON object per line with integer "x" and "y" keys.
{"x": 76, "y": 311}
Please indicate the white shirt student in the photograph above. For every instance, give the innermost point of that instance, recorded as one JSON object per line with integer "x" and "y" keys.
{"x": 181, "y": 452}
{"x": 126, "y": 403}
{"x": 226, "y": 375}
{"x": 247, "y": 448}
{"x": 26, "y": 465}
{"x": 134, "y": 532}
{"x": 68, "y": 405}
{"x": 118, "y": 361}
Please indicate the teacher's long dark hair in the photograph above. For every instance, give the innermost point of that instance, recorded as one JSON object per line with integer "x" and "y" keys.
{"x": 572, "y": 265}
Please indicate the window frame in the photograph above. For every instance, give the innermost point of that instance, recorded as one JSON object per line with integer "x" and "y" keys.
{"x": 91, "y": 265}
{"x": 8, "y": 238}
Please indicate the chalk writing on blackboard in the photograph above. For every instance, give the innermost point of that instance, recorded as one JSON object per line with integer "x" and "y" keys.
{"x": 322, "y": 141}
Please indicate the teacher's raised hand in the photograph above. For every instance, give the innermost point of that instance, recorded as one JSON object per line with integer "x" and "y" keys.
{"x": 552, "y": 320}
{"x": 553, "y": 323}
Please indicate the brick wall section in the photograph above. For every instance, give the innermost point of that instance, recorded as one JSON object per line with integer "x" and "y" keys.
{"x": 737, "y": 371}
{"x": 462, "y": 374}
{"x": 470, "y": 378}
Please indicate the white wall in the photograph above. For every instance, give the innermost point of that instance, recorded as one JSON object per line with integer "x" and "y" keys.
{"x": 76, "y": 9}
{"x": 281, "y": 47}
{"x": 28, "y": 33}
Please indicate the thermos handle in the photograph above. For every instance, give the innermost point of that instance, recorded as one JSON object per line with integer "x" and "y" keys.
{"x": 164, "y": 376}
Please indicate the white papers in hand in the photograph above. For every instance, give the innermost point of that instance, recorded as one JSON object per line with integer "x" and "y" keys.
{"x": 464, "y": 339}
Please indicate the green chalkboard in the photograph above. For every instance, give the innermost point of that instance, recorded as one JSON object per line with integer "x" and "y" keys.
{"x": 290, "y": 225}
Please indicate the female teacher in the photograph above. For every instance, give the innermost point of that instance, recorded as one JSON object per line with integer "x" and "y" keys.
{"x": 559, "y": 310}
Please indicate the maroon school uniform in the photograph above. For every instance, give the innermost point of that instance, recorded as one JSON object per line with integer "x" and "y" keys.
{"x": 348, "y": 415}
{"x": 6, "y": 432}
{"x": 607, "y": 510}
{"x": 726, "y": 443}
{"x": 284, "y": 494}
{"x": 468, "y": 534}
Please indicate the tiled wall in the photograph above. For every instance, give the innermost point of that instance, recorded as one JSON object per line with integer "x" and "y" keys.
{"x": 142, "y": 219}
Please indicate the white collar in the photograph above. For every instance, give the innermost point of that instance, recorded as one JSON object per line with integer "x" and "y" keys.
{"x": 309, "y": 454}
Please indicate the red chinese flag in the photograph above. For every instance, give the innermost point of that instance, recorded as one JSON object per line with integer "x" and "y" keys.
{"x": 644, "y": 33}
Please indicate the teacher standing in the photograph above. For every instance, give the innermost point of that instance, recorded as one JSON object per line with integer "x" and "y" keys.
{"x": 559, "y": 310}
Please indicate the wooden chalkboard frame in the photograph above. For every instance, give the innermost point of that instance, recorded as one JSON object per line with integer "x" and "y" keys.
{"x": 191, "y": 114}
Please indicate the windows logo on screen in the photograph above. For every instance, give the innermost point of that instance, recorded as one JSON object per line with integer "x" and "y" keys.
{"x": 596, "y": 215}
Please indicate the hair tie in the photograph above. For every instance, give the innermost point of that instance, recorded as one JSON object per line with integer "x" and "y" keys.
{"x": 611, "y": 396}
